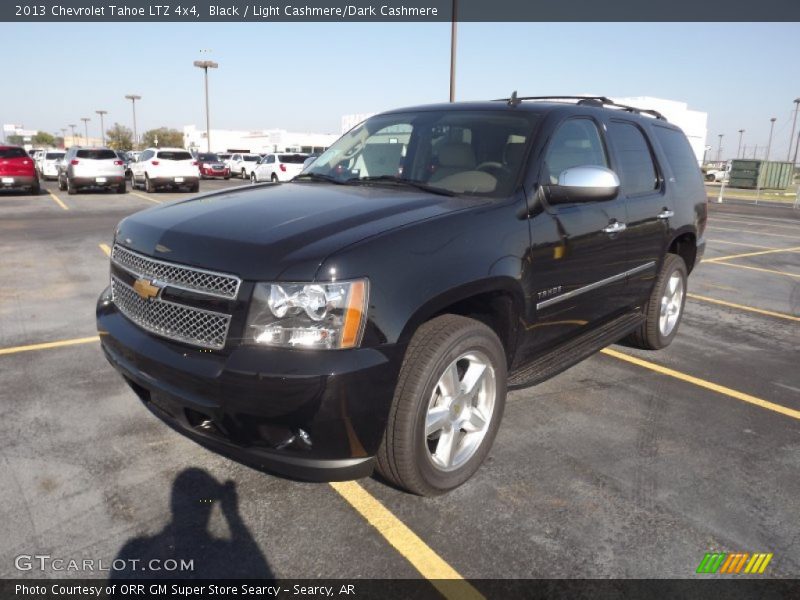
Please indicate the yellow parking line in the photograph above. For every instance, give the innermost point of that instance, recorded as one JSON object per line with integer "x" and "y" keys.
{"x": 785, "y": 225}
{"x": 142, "y": 196}
{"x": 759, "y": 253}
{"x": 48, "y": 345}
{"x": 407, "y": 543}
{"x": 106, "y": 250}
{"x": 780, "y": 235}
{"x": 714, "y": 387}
{"x": 58, "y": 200}
{"x": 760, "y": 311}
{"x": 741, "y": 244}
{"x": 773, "y": 271}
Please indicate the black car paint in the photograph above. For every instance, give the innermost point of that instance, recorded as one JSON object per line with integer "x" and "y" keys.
{"x": 424, "y": 254}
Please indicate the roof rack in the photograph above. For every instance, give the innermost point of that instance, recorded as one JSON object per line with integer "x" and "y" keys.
{"x": 598, "y": 101}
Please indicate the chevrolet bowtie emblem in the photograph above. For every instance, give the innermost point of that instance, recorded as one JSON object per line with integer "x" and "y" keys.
{"x": 146, "y": 289}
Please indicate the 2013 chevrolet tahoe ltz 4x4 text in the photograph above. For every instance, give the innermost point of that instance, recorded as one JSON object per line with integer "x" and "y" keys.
{"x": 374, "y": 311}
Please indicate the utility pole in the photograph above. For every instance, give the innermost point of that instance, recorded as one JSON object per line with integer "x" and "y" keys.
{"x": 72, "y": 126}
{"x": 741, "y": 131}
{"x": 102, "y": 126}
{"x": 769, "y": 143}
{"x": 86, "y": 128}
{"x": 719, "y": 148}
{"x": 206, "y": 65}
{"x": 453, "y": 32}
{"x": 64, "y": 137}
{"x": 133, "y": 98}
{"x": 794, "y": 122}
{"x": 794, "y": 160}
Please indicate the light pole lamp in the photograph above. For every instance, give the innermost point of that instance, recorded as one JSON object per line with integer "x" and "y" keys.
{"x": 102, "y": 126}
{"x": 739, "y": 149}
{"x": 206, "y": 65}
{"x": 133, "y": 98}
{"x": 86, "y": 128}
{"x": 719, "y": 148}
{"x": 794, "y": 122}
{"x": 769, "y": 143}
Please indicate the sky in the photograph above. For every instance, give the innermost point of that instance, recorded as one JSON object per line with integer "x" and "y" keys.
{"x": 305, "y": 76}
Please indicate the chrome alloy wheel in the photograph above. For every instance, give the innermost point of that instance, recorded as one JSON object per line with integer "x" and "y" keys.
{"x": 671, "y": 303}
{"x": 460, "y": 410}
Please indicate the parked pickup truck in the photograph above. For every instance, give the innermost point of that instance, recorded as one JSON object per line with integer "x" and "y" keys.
{"x": 373, "y": 312}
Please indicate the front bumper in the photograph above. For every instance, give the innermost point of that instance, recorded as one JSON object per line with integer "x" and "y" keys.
{"x": 215, "y": 172}
{"x": 313, "y": 415}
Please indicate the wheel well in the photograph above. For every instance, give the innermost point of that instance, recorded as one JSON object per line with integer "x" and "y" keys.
{"x": 685, "y": 246}
{"x": 496, "y": 310}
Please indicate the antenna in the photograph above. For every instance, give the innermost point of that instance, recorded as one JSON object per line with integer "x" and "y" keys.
{"x": 514, "y": 101}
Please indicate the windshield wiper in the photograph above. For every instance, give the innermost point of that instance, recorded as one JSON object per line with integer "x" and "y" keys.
{"x": 319, "y": 177}
{"x": 420, "y": 185}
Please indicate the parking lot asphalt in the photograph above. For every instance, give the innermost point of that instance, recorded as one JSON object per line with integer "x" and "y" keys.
{"x": 630, "y": 464}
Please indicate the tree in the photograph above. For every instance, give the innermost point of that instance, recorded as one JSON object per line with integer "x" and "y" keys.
{"x": 42, "y": 138}
{"x": 15, "y": 140}
{"x": 119, "y": 137}
{"x": 166, "y": 137}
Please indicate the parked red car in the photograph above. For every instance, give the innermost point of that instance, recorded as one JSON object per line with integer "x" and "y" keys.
{"x": 211, "y": 166}
{"x": 17, "y": 170}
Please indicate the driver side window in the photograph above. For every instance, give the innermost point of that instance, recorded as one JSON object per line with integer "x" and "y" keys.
{"x": 576, "y": 143}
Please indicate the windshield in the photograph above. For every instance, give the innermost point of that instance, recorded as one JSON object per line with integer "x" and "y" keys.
{"x": 251, "y": 157}
{"x": 464, "y": 152}
{"x": 53, "y": 155}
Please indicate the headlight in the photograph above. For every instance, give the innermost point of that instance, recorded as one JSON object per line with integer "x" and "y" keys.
{"x": 308, "y": 315}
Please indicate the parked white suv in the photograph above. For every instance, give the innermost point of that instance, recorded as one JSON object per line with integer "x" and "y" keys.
{"x": 165, "y": 167}
{"x": 276, "y": 167}
{"x": 242, "y": 165}
{"x": 48, "y": 165}
{"x": 91, "y": 167}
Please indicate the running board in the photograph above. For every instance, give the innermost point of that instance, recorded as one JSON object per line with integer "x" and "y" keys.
{"x": 565, "y": 355}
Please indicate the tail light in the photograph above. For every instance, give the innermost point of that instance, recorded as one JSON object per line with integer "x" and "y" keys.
{"x": 154, "y": 163}
{"x": 283, "y": 167}
{"x": 194, "y": 163}
{"x": 74, "y": 161}
{"x": 118, "y": 163}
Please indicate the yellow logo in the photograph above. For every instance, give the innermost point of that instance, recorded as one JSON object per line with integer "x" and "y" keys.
{"x": 146, "y": 289}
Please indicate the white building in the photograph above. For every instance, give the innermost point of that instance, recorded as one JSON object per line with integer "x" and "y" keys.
{"x": 693, "y": 122}
{"x": 257, "y": 141}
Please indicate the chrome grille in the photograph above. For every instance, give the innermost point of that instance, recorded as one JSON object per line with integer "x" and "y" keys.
{"x": 188, "y": 278}
{"x": 174, "y": 321}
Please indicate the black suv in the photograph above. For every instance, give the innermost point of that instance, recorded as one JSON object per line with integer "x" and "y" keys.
{"x": 374, "y": 311}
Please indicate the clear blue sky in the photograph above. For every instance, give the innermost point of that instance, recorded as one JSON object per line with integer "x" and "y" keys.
{"x": 303, "y": 77}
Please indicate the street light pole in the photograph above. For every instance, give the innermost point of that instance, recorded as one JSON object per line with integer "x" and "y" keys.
{"x": 72, "y": 126}
{"x": 102, "y": 126}
{"x": 206, "y": 65}
{"x": 794, "y": 122}
{"x": 769, "y": 143}
{"x": 64, "y": 136}
{"x": 86, "y": 128}
{"x": 453, "y": 32}
{"x": 133, "y": 98}
{"x": 719, "y": 148}
{"x": 738, "y": 151}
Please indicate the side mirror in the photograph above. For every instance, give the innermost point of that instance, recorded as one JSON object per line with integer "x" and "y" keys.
{"x": 583, "y": 184}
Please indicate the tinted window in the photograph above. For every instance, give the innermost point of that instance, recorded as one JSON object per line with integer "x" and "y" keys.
{"x": 96, "y": 154}
{"x": 576, "y": 143}
{"x": 53, "y": 155}
{"x": 292, "y": 159}
{"x": 174, "y": 155}
{"x": 681, "y": 159}
{"x": 270, "y": 159}
{"x": 252, "y": 158}
{"x": 208, "y": 157}
{"x": 13, "y": 153}
{"x": 636, "y": 170}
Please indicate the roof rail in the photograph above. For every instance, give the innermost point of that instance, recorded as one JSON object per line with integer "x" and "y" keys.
{"x": 598, "y": 101}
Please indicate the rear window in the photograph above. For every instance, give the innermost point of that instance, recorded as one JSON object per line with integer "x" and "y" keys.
{"x": 13, "y": 153}
{"x": 207, "y": 157}
{"x": 681, "y": 159}
{"x": 96, "y": 154}
{"x": 251, "y": 158}
{"x": 292, "y": 159}
{"x": 53, "y": 155}
{"x": 173, "y": 155}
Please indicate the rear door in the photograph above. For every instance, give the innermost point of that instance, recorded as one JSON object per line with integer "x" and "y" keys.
{"x": 648, "y": 207}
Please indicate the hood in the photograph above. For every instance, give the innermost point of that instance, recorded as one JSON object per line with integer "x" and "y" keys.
{"x": 277, "y": 232}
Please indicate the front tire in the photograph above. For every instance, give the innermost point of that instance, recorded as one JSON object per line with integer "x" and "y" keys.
{"x": 244, "y": 174}
{"x": 447, "y": 406}
{"x": 664, "y": 309}
{"x": 253, "y": 178}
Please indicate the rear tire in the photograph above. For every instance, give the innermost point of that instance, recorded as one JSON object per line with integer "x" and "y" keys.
{"x": 253, "y": 178}
{"x": 62, "y": 185}
{"x": 122, "y": 188}
{"x": 36, "y": 188}
{"x": 436, "y": 440}
{"x": 274, "y": 178}
{"x": 195, "y": 188}
{"x": 664, "y": 309}
{"x": 71, "y": 189}
{"x": 148, "y": 185}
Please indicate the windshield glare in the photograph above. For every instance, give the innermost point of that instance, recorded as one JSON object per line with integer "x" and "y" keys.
{"x": 465, "y": 152}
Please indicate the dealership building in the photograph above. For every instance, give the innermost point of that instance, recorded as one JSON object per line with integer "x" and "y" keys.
{"x": 256, "y": 141}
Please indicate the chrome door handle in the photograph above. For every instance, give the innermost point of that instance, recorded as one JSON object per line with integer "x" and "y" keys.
{"x": 666, "y": 214}
{"x": 615, "y": 227}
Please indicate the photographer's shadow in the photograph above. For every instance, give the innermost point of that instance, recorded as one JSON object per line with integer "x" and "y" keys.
{"x": 187, "y": 538}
